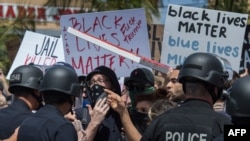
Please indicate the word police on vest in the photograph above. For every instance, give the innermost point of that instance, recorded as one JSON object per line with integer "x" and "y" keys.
{"x": 182, "y": 136}
{"x": 175, "y": 132}
{"x": 241, "y": 132}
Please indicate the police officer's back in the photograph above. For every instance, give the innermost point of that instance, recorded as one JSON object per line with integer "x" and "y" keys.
{"x": 237, "y": 103}
{"x": 59, "y": 88}
{"x": 24, "y": 83}
{"x": 202, "y": 76}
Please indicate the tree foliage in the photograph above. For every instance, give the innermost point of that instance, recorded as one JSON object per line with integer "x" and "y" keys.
{"x": 11, "y": 29}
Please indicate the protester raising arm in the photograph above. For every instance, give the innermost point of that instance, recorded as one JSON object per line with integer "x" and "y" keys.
{"x": 119, "y": 106}
{"x": 97, "y": 116}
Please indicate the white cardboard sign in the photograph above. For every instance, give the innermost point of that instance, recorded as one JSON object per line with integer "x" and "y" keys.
{"x": 189, "y": 29}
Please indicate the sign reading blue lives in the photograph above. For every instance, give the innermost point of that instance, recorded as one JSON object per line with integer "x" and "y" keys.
{"x": 239, "y": 132}
{"x": 189, "y": 29}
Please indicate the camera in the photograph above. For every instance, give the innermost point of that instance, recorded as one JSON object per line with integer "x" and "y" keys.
{"x": 96, "y": 93}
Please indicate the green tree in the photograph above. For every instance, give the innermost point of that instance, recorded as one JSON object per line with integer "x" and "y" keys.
{"x": 11, "y": 29}
{"x": 150, "y": 6}
{"x": 239, "y": 6}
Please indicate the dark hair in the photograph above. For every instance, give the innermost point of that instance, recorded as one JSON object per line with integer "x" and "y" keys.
{"x": 160, "y": 93}
{"x": 143, "y": 97}
{"x": 22, "y": 91}
{"x": 160, "y": 106}
{"x": 178, "y": 67}
{"x": 55, "y": 97}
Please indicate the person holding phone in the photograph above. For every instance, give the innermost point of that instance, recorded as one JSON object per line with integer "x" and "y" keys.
{"x": 100, "y": 78}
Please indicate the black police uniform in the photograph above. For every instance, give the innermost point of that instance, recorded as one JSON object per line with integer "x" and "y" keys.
{"x": 193, "y": 120}
{"x": 12, "y": 116}
{"x": 48, "y": 124}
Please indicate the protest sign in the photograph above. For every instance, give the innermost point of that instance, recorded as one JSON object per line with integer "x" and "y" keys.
{"x": 189, "y": 29}
{"x": 155, "y": 32}
{"x": 38, "y": 49}
{"x": 121, "y": 51}
{"x": 245, "y": 56}
{"x": 123, "y": 28}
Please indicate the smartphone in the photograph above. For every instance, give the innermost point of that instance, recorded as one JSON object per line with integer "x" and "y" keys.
{"x": 97, "y": 92}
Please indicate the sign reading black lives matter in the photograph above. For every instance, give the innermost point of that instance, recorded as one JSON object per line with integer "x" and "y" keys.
{"x": 188, "y": 30}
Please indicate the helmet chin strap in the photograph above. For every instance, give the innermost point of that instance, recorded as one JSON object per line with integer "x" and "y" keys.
{"x": 38, "y": 98}
{"x": 71, "y": 102}
{"x": 210, "y": 89}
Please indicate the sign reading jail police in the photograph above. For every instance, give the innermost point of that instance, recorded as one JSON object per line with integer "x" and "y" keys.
{"x": 189, "y": 29}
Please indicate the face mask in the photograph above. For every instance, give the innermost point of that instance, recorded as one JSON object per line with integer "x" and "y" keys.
{"x": 141, "y": 117}
{"x": 96, "y": 92}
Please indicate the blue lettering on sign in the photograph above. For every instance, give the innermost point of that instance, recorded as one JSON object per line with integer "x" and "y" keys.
{"x": 175, "y": 58}
{"x": 224, "y": 50}
{"x": 178, "y": 42}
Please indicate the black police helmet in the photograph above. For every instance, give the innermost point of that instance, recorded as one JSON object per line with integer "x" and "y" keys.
{"x": 28, "y": 76}
{"x": 61, "y": 79}
{"x": 204, "y": 66}
{"x": 238, "y": 102}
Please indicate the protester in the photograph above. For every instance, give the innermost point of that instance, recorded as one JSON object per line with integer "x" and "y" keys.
{"x": 175, "y": 91}
{"x": 160, "y": 93}
{"x": 3, "y": 101}
{"x": 116, "y": 103}
{"x": 141, "y": 81}
{"x": 159, "y": 106}
{"x": 157, "y": 84}
{"x": 100, "y": 78}
{"x": 24, "y": 83}
{"x": 143, "y": 104}
{"x": 96, "y": 115}
{"x": 125, "y": 96}
{"x": 202, "y": 77}
{"x": 59, "y": 88}
{"x": 5, "y": 85}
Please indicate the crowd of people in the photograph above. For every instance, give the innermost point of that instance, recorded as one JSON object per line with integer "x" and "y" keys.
{"x": 198, "y": 99}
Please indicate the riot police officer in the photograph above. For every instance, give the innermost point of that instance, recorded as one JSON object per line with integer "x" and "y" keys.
{"x": 23, "y": 84}
{"x": 59, "y": 88}
{"x": 202, "y": 76}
